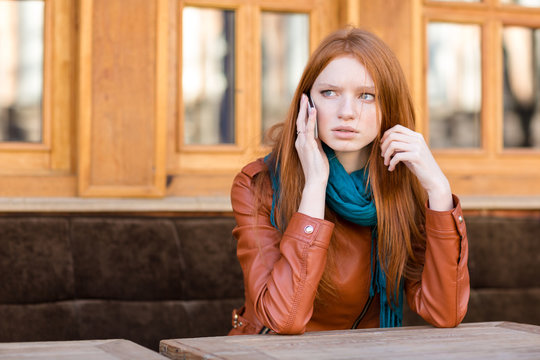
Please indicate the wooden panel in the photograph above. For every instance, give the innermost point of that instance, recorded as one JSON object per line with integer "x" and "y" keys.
{"x": 468, "y": 341}
{"x": 82, "y": 350}
{"x": 486, "y": 185}
{"x": 38, "y": 185}
{"x": 391, "y": 21}
{"x": 25, "y": 160}
{"x": 213, "y": 184}
{"x": 350, "y": 13}
{"x": 63, "y": 85}
{"x": 122, "y": 99}
{"x": 398, "y": 24}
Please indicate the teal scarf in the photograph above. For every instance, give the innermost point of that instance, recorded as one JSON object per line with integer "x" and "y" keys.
{"x": 349, "y": 195}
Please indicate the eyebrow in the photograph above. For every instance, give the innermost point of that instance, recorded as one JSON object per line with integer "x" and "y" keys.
{"x": 370, "y": 89}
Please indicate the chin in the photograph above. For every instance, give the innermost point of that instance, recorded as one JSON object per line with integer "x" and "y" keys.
{"x": 346, "y": 147}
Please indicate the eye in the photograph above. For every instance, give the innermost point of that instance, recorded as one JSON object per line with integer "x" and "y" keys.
{"x": 327, "y": 93}
{"x": 367, "y": 96}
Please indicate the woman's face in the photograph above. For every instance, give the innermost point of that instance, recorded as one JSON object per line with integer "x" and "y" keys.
{"x": 344, "y": 96}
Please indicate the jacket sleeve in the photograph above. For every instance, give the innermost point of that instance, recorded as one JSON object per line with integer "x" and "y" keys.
{"x": 281, "y": 271}
{"x": 442, "y": 295}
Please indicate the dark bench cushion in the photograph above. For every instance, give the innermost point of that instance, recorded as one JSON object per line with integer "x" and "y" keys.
{"x": 504, "y": 252}
{"x": 35, "y": 260}
{"x": 211, "y": 269}
{"x": 126, "y": 259}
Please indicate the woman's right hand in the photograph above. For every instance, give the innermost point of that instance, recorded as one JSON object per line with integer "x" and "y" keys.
{"x": 314, "y": 161}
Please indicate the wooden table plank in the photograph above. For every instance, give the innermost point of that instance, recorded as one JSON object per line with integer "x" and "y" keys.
{"x": 114, "y": 349}
{"x": 494, "y": 340}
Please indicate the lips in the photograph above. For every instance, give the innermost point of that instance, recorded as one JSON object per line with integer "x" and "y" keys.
{"x": 345, "y": 129}
{"x": 344, "y": 133}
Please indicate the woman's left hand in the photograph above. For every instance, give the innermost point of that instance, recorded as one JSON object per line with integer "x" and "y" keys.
{"x": 401, "y": 144}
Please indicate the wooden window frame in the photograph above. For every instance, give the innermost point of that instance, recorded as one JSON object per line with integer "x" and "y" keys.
{"x": 68, "y": 164}
{"x": 198, "y": 170}
{"x": 57, "y": 168}
{"x": 46, "y": 168}
{"x": 490, "y": 170}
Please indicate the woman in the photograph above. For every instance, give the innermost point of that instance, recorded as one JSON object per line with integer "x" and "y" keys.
{"x": 349, "y": 213}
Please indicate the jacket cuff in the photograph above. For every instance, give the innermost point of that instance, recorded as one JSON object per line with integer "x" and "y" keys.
{"x": 311, "y": 230}
{"x": 451, "y": 220}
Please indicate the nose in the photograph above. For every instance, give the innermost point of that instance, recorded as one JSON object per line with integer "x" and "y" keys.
{"x": 347, "y": 109}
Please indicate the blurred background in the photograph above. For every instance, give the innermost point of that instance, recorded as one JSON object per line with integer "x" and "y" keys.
{"x": 123, "y": 123}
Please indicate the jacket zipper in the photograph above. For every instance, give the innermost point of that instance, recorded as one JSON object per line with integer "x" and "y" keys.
{"x": 363, "y": 313}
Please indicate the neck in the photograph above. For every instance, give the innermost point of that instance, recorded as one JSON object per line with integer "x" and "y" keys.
{"x": 354, "y": 160}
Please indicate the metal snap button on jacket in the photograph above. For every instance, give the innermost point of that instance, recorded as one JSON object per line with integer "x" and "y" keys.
{"x": 308, "y": 229}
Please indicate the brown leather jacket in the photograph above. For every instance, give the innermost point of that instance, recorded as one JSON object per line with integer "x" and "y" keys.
{"x": 282, "y": 271}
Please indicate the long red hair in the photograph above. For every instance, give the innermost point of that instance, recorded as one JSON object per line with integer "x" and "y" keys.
{"x": 398, "y": 196}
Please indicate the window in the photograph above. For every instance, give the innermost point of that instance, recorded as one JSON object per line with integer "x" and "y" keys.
{"x": 239, "y": 65}
{"x": 37, "y": 97}
{"x": 160, "y": 98}
{"x": 454, "y": 85}
{"x": 521, "y": 87}
{"x": 21, "y": 71}
{"x": 123, "y": 102}
{"x": 481, "y": 94}
{"x": 284, "y": 54}
{"x": 208, "y": 76}
{"x": 459, "y": 57}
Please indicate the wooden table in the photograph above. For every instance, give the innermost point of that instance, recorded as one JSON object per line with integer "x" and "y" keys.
{"x": 80, "y": 350}
{"x": 493, "y": 340}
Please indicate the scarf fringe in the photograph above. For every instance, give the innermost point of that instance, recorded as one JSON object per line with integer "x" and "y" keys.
{"x": 390, "y": 316}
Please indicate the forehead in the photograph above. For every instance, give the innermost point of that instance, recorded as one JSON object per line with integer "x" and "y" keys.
{"x": 345, "y": 70}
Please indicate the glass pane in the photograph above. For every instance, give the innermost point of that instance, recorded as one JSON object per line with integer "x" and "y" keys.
{"x": 454, "y": 85}
{"x": 529, "y": 3}
{"x": 21, "y": 70}
{"x": 208, "y": 75}
{"x": 521, "y": 54}
{"x": 285, "y": 50}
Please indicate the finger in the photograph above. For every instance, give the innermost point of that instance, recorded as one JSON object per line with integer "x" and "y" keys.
{"x": 394, "y": 137}
{"x": 404, "y": 157}
{"x": 408, "y": 132}
{"x": 396, "y": 147}
{"x": 397, "y": 129}
{"x": 301, "y": 117}
{"x": 402, "y": 129}
{"x": 396, "y": 159}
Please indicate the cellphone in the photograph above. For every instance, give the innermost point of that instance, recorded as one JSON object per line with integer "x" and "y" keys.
{"x": 311, "y": 105}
